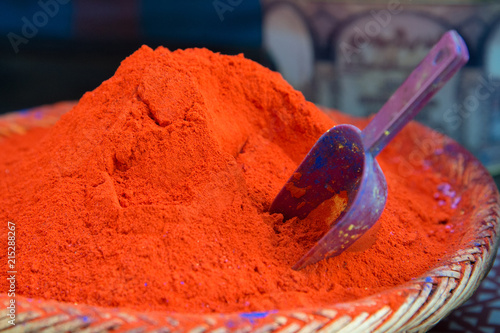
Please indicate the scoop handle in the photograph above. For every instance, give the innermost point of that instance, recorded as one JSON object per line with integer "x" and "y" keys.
{"x": 440, "y": 64}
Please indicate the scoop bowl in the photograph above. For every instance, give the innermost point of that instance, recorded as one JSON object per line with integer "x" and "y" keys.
{"x": 339, "y": 164}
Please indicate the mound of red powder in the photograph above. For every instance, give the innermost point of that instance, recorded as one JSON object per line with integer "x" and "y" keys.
{"x": 152, "y": 193}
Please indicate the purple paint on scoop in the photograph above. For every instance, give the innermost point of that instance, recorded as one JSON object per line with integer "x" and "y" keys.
{"x": 343, "y": 159}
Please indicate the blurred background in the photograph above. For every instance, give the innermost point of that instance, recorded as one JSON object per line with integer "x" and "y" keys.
{"x": 349, "y": 55}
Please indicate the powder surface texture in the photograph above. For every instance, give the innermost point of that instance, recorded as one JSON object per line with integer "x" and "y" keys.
{"x": 152, "y": 193}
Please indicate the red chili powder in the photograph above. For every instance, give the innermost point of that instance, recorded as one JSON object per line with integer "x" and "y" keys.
{"x": 152, "y": 192}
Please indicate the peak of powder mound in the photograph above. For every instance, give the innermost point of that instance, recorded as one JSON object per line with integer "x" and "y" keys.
{"x": 224, "y": 99}
{"x": 194, "y": 108}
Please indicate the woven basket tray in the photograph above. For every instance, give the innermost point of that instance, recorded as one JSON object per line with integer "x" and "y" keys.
{"x": 428, "y": 298}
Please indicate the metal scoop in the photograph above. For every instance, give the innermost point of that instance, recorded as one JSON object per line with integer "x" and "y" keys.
{"x": 343, "y": 159}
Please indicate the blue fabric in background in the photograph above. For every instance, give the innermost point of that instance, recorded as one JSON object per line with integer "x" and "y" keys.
{"x": 59, "y": 17}
{"x": 233, "y": 23}
{"x": 221, "y": 22}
